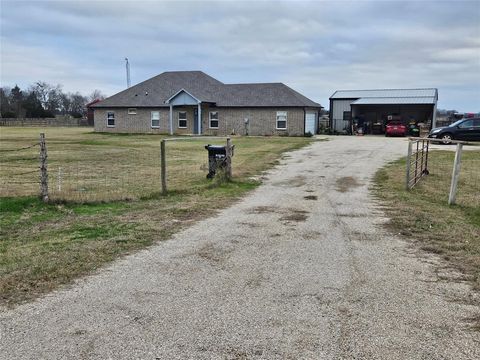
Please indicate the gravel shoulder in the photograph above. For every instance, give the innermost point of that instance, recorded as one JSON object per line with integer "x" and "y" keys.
{"x": 300, "y": 268}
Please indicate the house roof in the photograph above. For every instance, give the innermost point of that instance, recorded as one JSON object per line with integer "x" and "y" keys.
{"x": 386, "y": 93}
{"x": 395, "y": 100}
{"x": 156, "y": 91}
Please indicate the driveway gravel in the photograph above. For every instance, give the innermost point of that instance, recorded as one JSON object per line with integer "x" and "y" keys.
{"x": 302, "y": 268}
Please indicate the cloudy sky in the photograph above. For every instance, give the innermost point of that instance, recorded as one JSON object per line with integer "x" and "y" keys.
{"x": 315, "y": 47}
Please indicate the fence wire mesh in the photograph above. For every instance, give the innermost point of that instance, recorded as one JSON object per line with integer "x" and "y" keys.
{"x": 440, "y": 163}
{"x": 104, "y": 173}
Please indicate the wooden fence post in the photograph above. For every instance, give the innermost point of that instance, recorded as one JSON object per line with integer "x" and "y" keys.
{"x": 163, "y": 166}
{"x": 409, "y": 159}
{"x": 228, "y": 155}
{"x": 455, "y": 174}
{"x": 43, "y": 169}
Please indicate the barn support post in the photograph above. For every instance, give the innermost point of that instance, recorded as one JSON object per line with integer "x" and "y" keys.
{"x": 163, "y": 166}
{"x": 455, "y": 174}
{"x": 43, "y": 169}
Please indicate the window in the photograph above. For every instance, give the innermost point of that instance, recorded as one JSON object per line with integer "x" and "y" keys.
{"x": 213, "y": 121}
{"x": 281, "y": 120}
{"x": 110, "y": 119}
{"x": 347, "y": 115}
{"x": 466, "y": 124}
{"x": 476, "y": 123}
{"x": 182, "y": 119}
{"x": 132, "y": 111}
{"x": 155, "y": 117}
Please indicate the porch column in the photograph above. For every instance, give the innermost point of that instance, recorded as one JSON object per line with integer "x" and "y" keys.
{"x": 170, "y": 120}
{"x": 199, "y": 118}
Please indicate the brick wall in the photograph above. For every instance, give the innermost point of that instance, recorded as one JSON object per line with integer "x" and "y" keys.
{"x": 262, "y": 121}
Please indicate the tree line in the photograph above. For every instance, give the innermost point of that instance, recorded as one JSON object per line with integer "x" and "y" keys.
{"x": 42, "y": 100}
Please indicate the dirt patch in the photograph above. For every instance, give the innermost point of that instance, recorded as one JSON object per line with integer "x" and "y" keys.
{"x": 346, "y": 183}
{"x": 294, "y": 215}
{"x": 311, "y": 197}
{"x": 263, "y": 209}
{"x": 249, "y": 224}
{"x": 312, "y": 235}
{"x": 212, "y": 253}
{"x": 255, "y": 281}
{"x": 294, "y": 182}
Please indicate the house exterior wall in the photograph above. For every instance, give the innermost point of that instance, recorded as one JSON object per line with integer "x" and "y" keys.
{"x": 262, "y": 121}
{"x": 141, "y": 122}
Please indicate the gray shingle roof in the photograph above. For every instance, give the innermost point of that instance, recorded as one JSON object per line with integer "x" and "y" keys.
{"x": 155, "y": 91}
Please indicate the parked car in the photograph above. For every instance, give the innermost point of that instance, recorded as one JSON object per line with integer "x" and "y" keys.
{"x": 395, "y": 128}
{"x": 464, "y": 129}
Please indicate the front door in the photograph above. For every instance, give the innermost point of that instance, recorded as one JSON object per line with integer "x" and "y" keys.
{"x": 195, "y": 121}
{"x": 311, "y": 123}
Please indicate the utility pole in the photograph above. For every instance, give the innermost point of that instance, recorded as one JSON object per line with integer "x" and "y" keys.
{"x": 127, "y": 66}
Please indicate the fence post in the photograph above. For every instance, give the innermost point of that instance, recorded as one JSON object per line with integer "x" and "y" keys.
{"x": 59, "y": 180}
{"x": 455, "y": 174}
{"x": 409, "y": 159}
{"x": 43, "y": 169}
{"x": 163, "y": 166}
{"x": 228, "y": 155}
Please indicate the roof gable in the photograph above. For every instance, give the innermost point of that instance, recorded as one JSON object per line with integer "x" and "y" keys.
{"x": 182, "y": 97}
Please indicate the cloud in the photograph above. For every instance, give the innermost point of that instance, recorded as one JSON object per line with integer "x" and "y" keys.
{"x": 314, "y": 46}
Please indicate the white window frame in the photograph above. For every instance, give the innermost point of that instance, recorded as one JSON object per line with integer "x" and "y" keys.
{"x": 281, "y": 114}
{"x": 108, "y": 118}
{"x": 151, "y": 119}
{"x": 132, "y": 111}
{"x": 210, "y": 120}
{"x": 186, "y": 120}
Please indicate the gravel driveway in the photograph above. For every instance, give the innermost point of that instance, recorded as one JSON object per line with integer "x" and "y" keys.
{"x": 299, "y": 269}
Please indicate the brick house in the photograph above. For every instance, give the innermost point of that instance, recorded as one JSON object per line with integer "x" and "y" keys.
{"x": 191, "y": 102}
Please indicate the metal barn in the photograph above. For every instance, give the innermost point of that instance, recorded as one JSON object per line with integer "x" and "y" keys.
{"x": 376, "y": 108}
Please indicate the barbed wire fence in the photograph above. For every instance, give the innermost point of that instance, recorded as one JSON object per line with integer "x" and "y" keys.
{"x": 102, "y": 173}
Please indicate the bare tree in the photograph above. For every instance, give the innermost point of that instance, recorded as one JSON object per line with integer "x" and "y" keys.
{"x": 96, "y": 95}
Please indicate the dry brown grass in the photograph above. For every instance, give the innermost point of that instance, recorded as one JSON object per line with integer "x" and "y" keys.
{"x": 43, "y": 246}
{"x": 88, "y": 166}
{"x": 424, "y": 215}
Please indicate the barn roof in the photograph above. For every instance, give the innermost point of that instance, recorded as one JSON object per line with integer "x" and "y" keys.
{"x": 415, "y": 96}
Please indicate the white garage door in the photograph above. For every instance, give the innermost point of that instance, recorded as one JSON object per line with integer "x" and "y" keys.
{"x": 311, "y": 123}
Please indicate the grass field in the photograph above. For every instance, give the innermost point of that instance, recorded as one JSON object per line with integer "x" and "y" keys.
{"x": 87, "y": 166}
{"x": 44, "y": 246}
{"x": 423, "y": 213}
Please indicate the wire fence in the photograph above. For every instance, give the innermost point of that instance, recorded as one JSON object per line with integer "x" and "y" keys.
{"x": 103, "y": 173}
{"x": 20, "y": 170}
{"x": 434, "y": 165}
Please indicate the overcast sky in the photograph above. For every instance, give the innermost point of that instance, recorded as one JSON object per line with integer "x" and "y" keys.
{"x": 315, "y": 47}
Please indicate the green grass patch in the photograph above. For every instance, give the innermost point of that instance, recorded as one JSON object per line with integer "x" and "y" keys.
{"x": 43, "y": 246}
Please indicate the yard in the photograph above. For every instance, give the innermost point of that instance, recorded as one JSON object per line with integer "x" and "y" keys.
{"x": 107, "y": 202}
{"x": 423, "y": 214}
